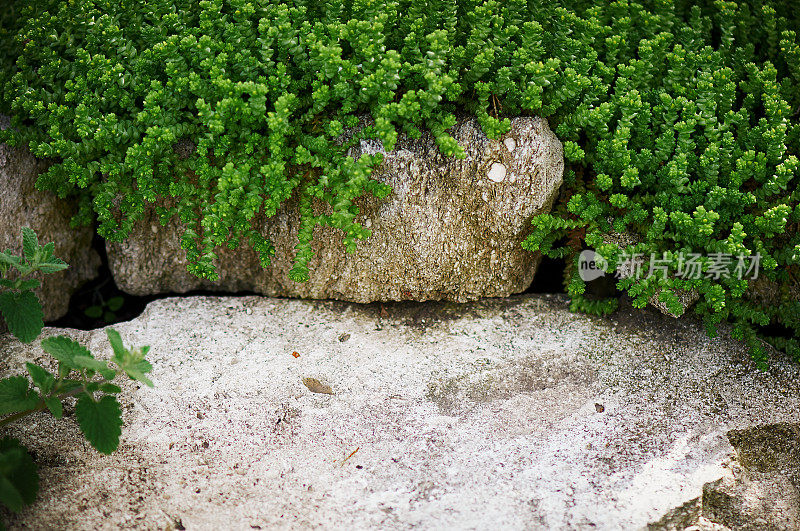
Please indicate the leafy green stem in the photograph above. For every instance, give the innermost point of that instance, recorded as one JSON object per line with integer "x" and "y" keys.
{"x": 42, "y": 405}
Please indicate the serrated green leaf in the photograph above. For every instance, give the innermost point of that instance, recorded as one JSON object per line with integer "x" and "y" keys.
{"x": 64, "y": 350}
{"x": 55, "y": 407}
{"x": 24, "y": 268}
{"x": 139, "y": 376}
{"x": 9, "y": 258}
{"x": 47, "y": 263}
{"x": 46, "y": 251}
{"x": 136, "y": 367}
{"x": 110, "y": 388}
{"x": 41, "y": 378}
{"x": 19, "y": 481}
{"x": 54, "y": 265}
{"x": 87, "y": 362}
{"x": 29, "y": 285}
{"x": 116, "y": 344}
{"x": 143, "y": 366}
{"x": 23, "y": 314}
{"x": 30, "y": 243}
{"x": 100, "y": 421}
{"x": 16, "y": 395}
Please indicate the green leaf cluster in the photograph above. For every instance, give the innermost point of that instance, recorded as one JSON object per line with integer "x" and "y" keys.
{"x": 19, "y": 306}
{"x": 683, "y": 133}
{"x": 79, "y": 376}
{"x": 105, "y": 309}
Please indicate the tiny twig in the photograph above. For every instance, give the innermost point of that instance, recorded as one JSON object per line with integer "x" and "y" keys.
{"x": 351, "y": 455}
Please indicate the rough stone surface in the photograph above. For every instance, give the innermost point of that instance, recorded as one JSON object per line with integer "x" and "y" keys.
{"x": 450, "y": 230}
{"x": 763, "y": 491}
{"x": 502, "y": 414}
{"x": 760, "y": 489}
{"x": 23, "y": 205}
{"x": 769, "y": 293}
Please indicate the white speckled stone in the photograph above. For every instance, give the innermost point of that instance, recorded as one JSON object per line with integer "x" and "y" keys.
{"x": 503, "y": 414}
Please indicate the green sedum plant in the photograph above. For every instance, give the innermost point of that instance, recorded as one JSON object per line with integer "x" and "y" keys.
{"x": 685, "y": 135}
{"x": 80, "y": 376}
{"x": 678, "y": 118}
{"x": 19, "y": 305}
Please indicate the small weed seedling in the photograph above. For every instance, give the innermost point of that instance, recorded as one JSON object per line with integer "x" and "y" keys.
{"x": 79, "y": 375}
{"x": 19, "y": 305}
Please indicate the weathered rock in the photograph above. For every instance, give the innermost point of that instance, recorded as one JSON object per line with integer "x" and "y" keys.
{"x": 502, "y": 414}
{"x": 763, "y": 491}
{"x": 770, "y": 293}
{"x": 450, "y": 230}
{"x": 23, "y": 205}
{"x": 760, "y": 489}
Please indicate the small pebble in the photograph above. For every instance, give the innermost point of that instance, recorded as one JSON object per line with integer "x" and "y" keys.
{"x": 497, "y": 172}
{"x": 315, "y": 386}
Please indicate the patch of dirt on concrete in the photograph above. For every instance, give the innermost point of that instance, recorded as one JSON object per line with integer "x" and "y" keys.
{"x": 762, "y": 490}
{"x": 538, "y": 373}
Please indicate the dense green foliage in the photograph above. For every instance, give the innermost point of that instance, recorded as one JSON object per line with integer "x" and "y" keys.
{"x": 80, "y": 376}
{"x": 679, "y": 119}
{"x": 689, "y": 143}
{"x": 19, "y": 305}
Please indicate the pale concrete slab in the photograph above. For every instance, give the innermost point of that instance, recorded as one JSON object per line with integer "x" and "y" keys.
{"x": 501, "y": 414}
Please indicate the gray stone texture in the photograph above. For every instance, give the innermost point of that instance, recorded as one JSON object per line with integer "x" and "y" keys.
{"x": 22, "y": 205}
{"x": 501, "y": 414}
